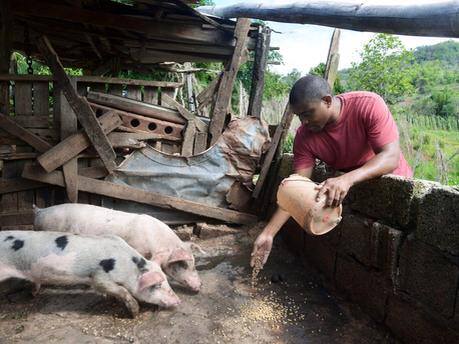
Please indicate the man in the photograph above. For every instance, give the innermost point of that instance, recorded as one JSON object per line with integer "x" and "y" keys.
{"x": 353, "y": 132}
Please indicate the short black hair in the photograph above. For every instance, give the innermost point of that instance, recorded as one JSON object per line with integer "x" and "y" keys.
{"x": 308, "y": 88}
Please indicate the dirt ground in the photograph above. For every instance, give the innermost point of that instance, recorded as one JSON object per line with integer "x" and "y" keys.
{"x": 288, "y": 305}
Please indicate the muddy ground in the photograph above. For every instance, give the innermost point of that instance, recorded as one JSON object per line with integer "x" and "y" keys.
{"x": 288, "y": 305}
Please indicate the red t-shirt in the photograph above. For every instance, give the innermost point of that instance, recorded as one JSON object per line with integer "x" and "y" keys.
{"x": 364, "y": 125}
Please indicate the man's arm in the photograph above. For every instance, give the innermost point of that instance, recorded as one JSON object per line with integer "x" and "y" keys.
{"x": 385, "y": 161}
{"x": 263, "y": 243}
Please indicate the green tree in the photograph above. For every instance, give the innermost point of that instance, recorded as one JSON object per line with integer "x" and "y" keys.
{"x": 386, "y": 68}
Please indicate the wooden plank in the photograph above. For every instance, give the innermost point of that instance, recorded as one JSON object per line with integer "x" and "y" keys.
{"x": 188, "y": 139}
{"x": 167, "y": 91}
{"x": 18, "y": 184}
{"x": 74, "y": 144}
{"x": 16, "y": 218}
{"x": 331, "y": 67}
{"x": 6, "y": 40}
{"x": 200, "y": 125}
{"x": 150, "y": 95}
{"x": 134, "y": 92}
{"x": 40, "y": 99}
{"x": 25, "y": 135}
{"x": 80, "y": 106}
{"x": 278, "y": 137}
{"x": 258, "y": 74}
{"x": 23, "y": 98}
{"x": 9, "y": 202}
{"x": 138, "y": 195}
{"x": 200, "y": 143}
{"x": 87, "y": 79}
{"x": 95, "y": 172}
{"x": 136, "y": 107}
{"x": 116, "y": 90}
{"x": 225, "y": 87}
{"x": 69, "y": 127}
{"x": 26, "y": 121}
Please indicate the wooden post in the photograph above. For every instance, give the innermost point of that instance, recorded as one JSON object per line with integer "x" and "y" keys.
{"x": 6, "y": 35}
{"x": 80, "y": 106}
{"x": 189, "y": 89}
{"x": 274, "y": 149}
{"x": 331, "y": 68}
{"x": 225, "y": 88}
{"x": 258, "y": 74}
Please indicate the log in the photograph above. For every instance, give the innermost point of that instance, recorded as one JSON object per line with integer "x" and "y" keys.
{"x": 7, "y": 124}
{"x": 80, "y": 106}
{"x": 438, "y": 19}
{"x": 137, "y": 107}
{"x": 129, "y": 193}
{"x": 70, "y": 147}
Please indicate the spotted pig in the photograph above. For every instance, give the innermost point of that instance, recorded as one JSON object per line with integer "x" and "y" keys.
{"x": 106, "y": 263}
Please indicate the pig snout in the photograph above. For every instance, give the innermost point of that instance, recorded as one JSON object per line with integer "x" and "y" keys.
{"x": 169, "y": 299}
{"x": 194, "y": 283}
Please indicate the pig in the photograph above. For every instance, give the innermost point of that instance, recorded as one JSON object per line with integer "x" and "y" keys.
{"x": 152, "y": 238}
{"x": 107, "y": 263}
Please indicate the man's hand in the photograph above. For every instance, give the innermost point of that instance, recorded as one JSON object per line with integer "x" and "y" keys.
{"x": 261, "y": 249}
{"x": 335, "y": 188}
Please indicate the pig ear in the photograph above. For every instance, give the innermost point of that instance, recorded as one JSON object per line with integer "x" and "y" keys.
{"x": 149, "y": 279}
{"x": 179, "y": 255}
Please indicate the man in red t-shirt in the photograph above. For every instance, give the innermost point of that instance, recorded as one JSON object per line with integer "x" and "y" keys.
{"x": 353, "y": 132}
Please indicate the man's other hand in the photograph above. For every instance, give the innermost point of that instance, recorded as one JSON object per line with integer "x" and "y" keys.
{"x": 261, "y": 249}
{"x": 335, "y": 189}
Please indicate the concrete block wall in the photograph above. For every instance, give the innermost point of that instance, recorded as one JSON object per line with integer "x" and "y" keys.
{"x": 395, "y": 253}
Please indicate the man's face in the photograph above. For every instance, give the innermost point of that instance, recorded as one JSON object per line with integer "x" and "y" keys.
{"x": 314, "y": 115}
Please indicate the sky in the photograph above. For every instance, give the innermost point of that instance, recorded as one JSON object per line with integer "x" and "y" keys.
{"x": 305, "y": 46}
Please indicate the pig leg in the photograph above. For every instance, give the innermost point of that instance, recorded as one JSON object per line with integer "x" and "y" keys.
{"x": 8, "y": 273}
{"x": 111, "y": 288}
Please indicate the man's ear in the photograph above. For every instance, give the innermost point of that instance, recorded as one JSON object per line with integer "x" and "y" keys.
{"x": 328, "y": 99}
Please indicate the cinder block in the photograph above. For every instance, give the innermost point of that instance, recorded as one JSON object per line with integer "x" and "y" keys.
{"x": 321, "y": 251}
{"x": 390, "y": 199}
{"x": 293, "y": 235}
{"x": 365, "y": 287}
{"x": 388, "y": 250}
{"x": 412, "y": 324}
{"x": 427, "y": 276}
{"x": 356, "y": 238}
{"x": 438, "y": 219}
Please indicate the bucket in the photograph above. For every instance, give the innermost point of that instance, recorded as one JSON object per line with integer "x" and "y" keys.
{"x": 297, "y": 196}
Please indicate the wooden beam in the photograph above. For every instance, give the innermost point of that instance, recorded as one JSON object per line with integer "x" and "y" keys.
{"x": 188, "y": 139}
{"x": 70, "y": 147}
{"x": 138, "y": 195}
{"x": 225, "y": 88}
{"x": 92, "y": 79}
{"x": 281, "y": 131}
{"x": 80, "y": 106}
{"x": 258, "y": 73}
{"x": 134, "y": 106}
{"x": 331, "y": 67}
{"x": 200, "y": 125}
{"x": 205, "y": 97}
{"x": 7, "y": 124}
{"x": 68, "y": 122}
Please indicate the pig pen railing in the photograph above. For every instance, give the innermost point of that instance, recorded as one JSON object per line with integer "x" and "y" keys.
{"x": 36, "y": 104}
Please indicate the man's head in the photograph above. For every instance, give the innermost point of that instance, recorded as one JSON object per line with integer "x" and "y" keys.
{"x": 310, "y": 98}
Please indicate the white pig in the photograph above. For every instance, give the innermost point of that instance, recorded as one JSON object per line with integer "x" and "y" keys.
{"x": 106, "y": 263}
{"x": 152, "y": 238}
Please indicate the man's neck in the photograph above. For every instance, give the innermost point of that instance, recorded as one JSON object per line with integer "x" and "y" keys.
{"x": 336, "y": 110}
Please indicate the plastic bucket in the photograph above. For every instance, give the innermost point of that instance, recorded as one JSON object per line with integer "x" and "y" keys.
{"x": 297, "y": 196}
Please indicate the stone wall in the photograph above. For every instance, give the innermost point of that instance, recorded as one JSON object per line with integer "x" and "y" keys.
{"x": 395, "y": 253}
